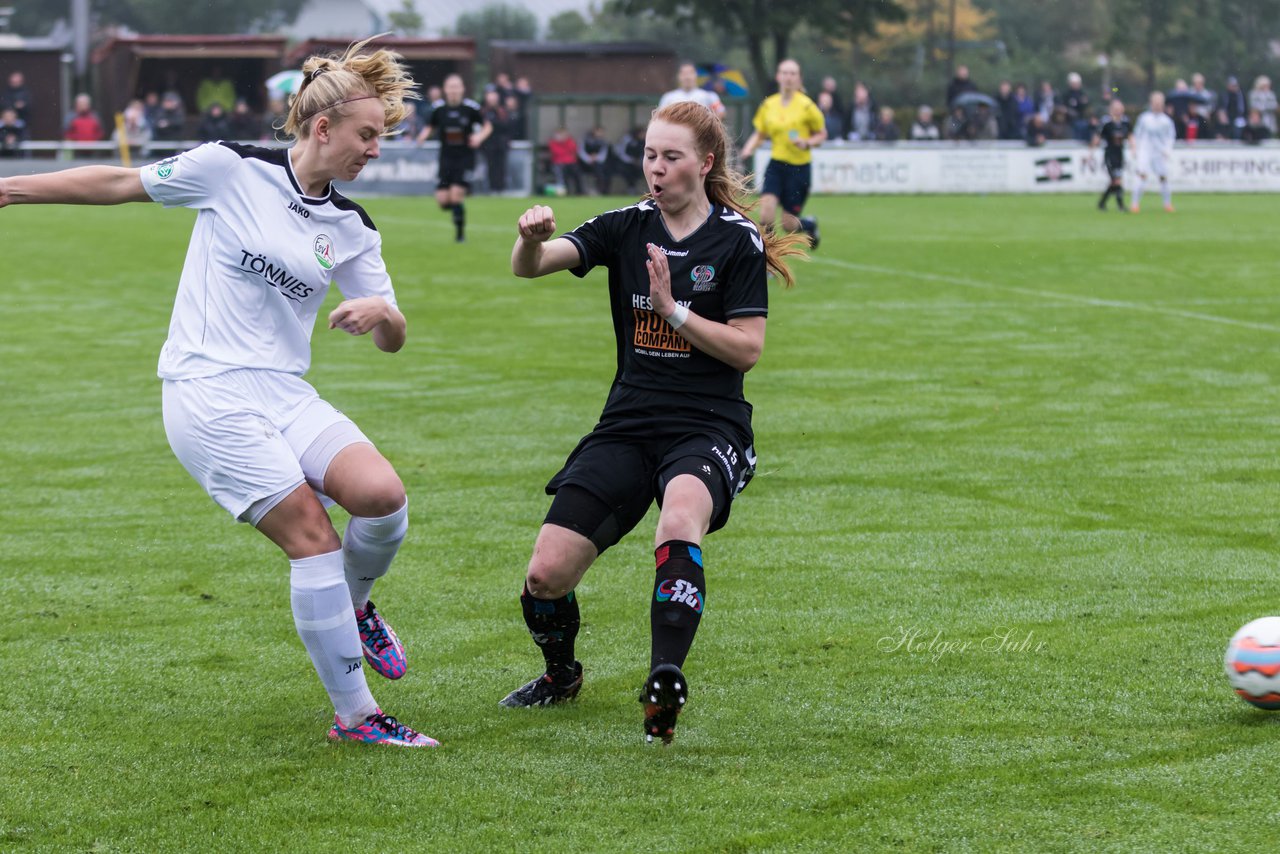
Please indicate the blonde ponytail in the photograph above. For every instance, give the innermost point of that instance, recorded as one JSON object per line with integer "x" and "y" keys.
{"x": 330, "y": 83}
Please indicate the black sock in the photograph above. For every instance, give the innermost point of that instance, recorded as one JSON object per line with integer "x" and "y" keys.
{"x": 553, "y": 624}
{"x": 1119, "y": 197}
{"x": 459, "y": 217}
{"x": 679, "y": 595}
{"x": 1106, "y": 194}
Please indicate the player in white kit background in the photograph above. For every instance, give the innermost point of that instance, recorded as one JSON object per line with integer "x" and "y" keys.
{"x": 271, "y": 235}
{"x": 687, "y": 90}
{"x": 1152, "y": 143}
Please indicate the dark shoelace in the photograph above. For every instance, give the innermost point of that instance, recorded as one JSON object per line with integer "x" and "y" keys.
{"x": 391, "y": 726}
{"x": 378, "y": 637}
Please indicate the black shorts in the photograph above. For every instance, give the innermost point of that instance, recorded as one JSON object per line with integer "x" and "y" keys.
{"x": 627, "y": 475}
{"x": 790, "y": 183}
{"x": 1115, "y": 166}
{"x": 455, "y": 169}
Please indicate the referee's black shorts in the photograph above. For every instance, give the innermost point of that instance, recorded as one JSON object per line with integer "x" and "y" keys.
{"x": 790, "y": 183}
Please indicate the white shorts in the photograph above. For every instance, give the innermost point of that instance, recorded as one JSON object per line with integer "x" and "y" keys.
{"x": 1153, "y": 164}
{"x": 244, "y": 435}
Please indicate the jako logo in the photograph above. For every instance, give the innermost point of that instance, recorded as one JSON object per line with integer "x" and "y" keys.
{"x": 681, "y": 591}
{"x": 323, "y": 248}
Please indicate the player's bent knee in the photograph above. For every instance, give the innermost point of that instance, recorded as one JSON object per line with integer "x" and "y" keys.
{"x": 300, "y": 526}
{"x": 383, "y": 499}
{"x": 311, "y": 541}
{"x": 548, "y": 582}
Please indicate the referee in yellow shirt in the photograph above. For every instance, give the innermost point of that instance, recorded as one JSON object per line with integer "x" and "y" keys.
{"x": 795, "y": 126}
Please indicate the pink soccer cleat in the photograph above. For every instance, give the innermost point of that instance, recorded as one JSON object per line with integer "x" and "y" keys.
{"x": 382, "y": 649}
{"x": 381, "y": 729}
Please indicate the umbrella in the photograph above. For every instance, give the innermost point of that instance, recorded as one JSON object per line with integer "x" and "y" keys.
{"x": 969, "y": 100}
{"x": 1186, "y": 96}
{"x": 284, "y": 83}
{"x": 735, "y": 84}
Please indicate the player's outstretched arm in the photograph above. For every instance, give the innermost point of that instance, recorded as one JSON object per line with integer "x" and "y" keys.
{"x": 738, "y": 343}
{"x": 85, "y": 185}
{"x": 749, "y": 147}
{"x": 535, "y": 253}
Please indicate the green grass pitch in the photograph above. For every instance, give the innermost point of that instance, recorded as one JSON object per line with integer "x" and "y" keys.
{"x": 1017, "y": 489}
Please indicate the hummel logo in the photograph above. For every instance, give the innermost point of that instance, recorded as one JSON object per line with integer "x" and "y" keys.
{"x": 706, "y": 469}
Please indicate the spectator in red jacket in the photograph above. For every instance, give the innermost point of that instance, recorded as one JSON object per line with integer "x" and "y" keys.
{"x": 83, "y": 125}
{"x": 563, "y": 149}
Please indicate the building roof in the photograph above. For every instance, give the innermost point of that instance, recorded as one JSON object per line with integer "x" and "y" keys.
{"x": 201, "y": 47}
{"x": 409, "y": 48}
{"x": 585, "y": 48}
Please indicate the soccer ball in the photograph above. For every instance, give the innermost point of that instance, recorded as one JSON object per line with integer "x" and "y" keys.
{"x": 1253, "y": 663}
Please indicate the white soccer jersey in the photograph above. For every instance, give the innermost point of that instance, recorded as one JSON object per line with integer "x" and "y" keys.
{"x": 261, "y": 258}
{"x": 706, "y": 98}
{"x": 1154, "y": 134}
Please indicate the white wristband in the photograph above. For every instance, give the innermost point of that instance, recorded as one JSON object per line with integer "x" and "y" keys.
{"x": 678, "y": 317}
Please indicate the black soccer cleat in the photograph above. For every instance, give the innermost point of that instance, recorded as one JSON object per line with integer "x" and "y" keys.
{"x": 664, "y": 695}
{"x": 545, "y": 691}
{"x": 809, "y": 225}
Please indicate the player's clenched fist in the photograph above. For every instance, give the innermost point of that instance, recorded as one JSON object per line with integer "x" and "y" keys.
{"x": 538, "y": 223}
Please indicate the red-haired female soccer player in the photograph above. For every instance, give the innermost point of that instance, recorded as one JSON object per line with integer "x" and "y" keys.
{"x": 687, "y": 285}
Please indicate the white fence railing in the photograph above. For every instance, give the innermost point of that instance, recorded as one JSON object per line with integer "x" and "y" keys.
{"x": 403, "y": 169}
{"x": 1060, "y": 167}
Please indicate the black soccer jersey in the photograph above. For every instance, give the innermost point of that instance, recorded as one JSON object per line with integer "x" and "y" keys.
{"x": 718, "y": 272}
{"x": 453, "y": 126}
{"x": 1114, "y": 134}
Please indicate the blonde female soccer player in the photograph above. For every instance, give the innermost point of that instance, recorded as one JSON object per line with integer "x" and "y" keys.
{"x": 1152, "y": 145}
{"x": 687, "y": 286}
{"x": 271, "y": 235}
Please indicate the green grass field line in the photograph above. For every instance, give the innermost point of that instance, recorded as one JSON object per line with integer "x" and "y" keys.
{"x": 1017, "y": 489}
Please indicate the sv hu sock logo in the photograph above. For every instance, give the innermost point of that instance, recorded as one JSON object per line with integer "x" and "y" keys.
{"x": 680, "y": 591}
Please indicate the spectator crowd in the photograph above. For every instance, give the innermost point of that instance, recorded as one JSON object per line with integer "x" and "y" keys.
{"x": 1013, "y": 113}
{"x": 595, "y": 162}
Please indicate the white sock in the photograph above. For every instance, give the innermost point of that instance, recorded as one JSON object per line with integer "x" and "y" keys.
{"x": 368, "y": 547}
{"x": 1136, "y": 195}
{"x": 1166, "y": 193}
{"x": 327, "y": 625}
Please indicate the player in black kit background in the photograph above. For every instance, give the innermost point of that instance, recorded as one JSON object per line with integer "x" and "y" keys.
{"x": 1114, "y": 133}
{"x": 687, "y": 287}
{"x": 458, "y": 123}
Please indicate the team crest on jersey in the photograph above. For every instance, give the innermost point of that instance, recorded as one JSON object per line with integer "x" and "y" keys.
{"x": 323, "y": 248}
{"x": 164, "y": 168}
{"x": 704, "y": 276}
